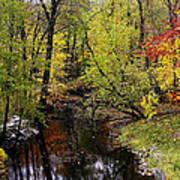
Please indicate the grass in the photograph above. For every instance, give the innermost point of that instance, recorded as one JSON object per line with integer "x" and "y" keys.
{"x": 162, "y": 133}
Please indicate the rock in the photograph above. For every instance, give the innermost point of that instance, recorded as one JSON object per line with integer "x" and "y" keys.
{"x": 142, "y": 167}
{"x": 13, "y": 123}
{"x": 14, "y": 137}
{"x": 158, "y": 174}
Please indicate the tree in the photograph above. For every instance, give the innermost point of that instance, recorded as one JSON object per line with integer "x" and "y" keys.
{"x": 18, "y": 56}
{"x": 118, "y": 77}
{"x": 163, "y": 51}
{"x": 11, "y": 67}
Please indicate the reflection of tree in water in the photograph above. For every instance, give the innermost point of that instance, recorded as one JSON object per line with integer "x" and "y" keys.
{"x": 86, "y": 158}
{"x": 115, "y": 165}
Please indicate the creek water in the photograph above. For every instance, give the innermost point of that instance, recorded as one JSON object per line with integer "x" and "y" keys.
{"x": 65, "y": 151}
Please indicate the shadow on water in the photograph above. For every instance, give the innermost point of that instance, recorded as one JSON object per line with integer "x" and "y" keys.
{"x": 68, "y": 151}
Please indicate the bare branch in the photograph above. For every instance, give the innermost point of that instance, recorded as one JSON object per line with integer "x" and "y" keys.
{"x": 45, "y": 9}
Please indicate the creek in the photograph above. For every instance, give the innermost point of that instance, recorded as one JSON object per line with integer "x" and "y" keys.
{"x": 65, "y": 150}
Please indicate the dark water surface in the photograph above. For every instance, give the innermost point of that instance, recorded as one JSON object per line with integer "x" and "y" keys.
{"x": 64, "y": 151}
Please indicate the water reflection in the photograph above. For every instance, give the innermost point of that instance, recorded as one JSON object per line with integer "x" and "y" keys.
{"x": 63, "y": 153}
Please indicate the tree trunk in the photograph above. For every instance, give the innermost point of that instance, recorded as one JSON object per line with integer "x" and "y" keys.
{"x": 6, "y": 116}
{"x": 51, "y": 20}
{"x": 46, "y": 76}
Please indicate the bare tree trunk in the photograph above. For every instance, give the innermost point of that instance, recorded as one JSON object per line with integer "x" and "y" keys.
{"x": 46, "y": 76}
{"x": 169, "y": 4}
{"x": 142, "y": 30}
{"x": 6, "y": 116}
{"x": 51, "y": 20}
{"x": 173, "y": 16}
{"x": 141, "y": 39}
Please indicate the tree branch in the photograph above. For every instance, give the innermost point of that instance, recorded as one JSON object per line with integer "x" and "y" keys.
{"x": 45, "y": 9}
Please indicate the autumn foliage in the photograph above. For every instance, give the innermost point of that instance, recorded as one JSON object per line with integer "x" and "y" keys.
{"x": 163, "y": 50}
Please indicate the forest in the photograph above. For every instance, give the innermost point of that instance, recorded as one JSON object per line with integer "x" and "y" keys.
{"x": 108, "y": 68}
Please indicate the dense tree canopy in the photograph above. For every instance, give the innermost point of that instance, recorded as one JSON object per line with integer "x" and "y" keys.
{"x": 123, "y": 51}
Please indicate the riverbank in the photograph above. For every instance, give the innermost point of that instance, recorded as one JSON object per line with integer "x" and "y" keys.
{"x": 159, "y": 140}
